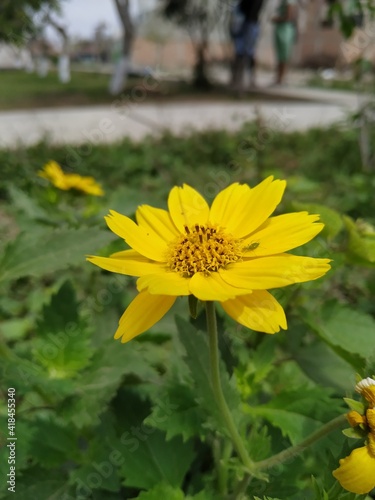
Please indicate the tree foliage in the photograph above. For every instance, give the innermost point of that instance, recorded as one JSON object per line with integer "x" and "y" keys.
{"x": 19, "y": 19}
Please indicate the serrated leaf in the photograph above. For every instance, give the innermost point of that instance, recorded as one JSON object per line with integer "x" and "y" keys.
{"x": 184, "y": 416}
{"x": 154, "y": 459}
{"x": 348, "y": 329}
{"x": 162, "y": 491}
{"x": 198, "y": 360}
{"x": 99, "y": 382}
{"x": 43, "y": 251}
{"x": 62, "y": 345}
{"x": 102, "y": 460}
{"x": 37, "y": 483}
{"x": 331, "y": 219}
{"x": 61, "y": 443}
{"x": 355, "y": 405}
{"x": 149, "y": 459}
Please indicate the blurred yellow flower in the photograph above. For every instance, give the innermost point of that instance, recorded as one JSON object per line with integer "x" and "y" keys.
{"x": 356, "y": 472}
{"x": 54, "y": 173}
{"x": 231, "y": 252}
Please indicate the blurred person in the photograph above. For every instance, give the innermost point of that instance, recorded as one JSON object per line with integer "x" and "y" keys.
{"x": 245, "y": 30}
{"x": 285, "y": 35}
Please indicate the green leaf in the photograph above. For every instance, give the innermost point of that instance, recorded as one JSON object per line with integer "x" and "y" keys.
{"x": 355, "y": 433}
{"x": 350, "y": 330}
{"x": 183, "y": 416}
{"x": 21, "y": 201}
{"x": 324, "y": 366}
{"x": 149, "y": 458}
{"x": 37, "y": 483}
{"x": 15, "y": 329}
{"x": 43, "y": 251}
{"x": 198, "y": 360}
{"x": 63, "y": 343}
{"x": 360, "y": 246}
{"x": 61, "y": 443}
{"x": 296, "y": 413}
{"x": 154, "y": 459}
{"x": 355, "y": 405}
{"x": 99, "y": 382}
{"x": 331, "y": 219}
{"x": 102, "y": 460}
{"x": 162, "y": 491}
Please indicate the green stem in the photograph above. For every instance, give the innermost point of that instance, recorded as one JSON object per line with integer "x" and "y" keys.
{"x": 218, "y": 391}
{"x": 221, "y": 467}
{"x": 293, "y": 451}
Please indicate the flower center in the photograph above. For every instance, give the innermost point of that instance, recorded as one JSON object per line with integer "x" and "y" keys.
{"x": 203, "y": 249}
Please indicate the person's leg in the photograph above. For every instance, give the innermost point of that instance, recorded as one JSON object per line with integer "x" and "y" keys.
{"x": 251, "y": 39}
{"x": 238, "y": 67}
{"x": 284, "y": 41}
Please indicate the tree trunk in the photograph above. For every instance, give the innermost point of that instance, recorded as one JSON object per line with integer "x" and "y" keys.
{"x": 63, "y": 65}
{"x": 123, "y": 65}
{"x": 201, "y": 80}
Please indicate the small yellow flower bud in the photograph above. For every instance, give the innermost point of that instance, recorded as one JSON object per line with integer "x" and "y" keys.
{"x": 355, "y": 418}
{"x": 366, "y": 388}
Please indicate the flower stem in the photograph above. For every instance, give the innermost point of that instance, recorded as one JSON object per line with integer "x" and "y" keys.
{"x": 293, "y": 451}
{"x": 218, "y": 391}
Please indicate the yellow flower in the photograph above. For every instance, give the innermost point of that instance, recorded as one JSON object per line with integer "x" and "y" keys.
{"x": 366, "y": 388}
{"x": 356, "y": 472}
{"x": 231, "y": 252}
{"x": 53, "y": 172}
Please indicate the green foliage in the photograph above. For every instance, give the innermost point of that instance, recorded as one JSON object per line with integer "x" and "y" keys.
{"x": 197, "y": 359}
{"x": 100, "y": 419}
{"x": 61, "y": 248}
{"x": 17, "y": 18}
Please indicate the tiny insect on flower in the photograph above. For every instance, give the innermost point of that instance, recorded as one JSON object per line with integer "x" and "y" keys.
{"x": 231, "y": 252}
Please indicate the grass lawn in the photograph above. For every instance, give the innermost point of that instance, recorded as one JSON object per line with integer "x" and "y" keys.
{"x": 20, "y": 90}
{"x": 337, "y": 84}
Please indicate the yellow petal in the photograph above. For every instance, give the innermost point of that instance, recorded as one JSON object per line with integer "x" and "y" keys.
{"x": 370, "y": 416}
{"x": 274, "y": 272}
{"x": 228, "y": 205}
{"x": 142, "y": 313}
{"x": 166, "y": 283}
{"x": 282, "y": 233}
{"x": 213, "y": 287}
{"x": 187, "y": 207}
{"x": 143, "y": 241}
{"x": 157, "y": 220}
{"x": 258, "y": 311}
{"x": 357, "y": 471}
{"x": 132, "y": 264}
{"x": 246, "y": 209}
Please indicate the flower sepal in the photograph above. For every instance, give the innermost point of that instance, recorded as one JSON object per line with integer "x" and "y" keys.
{"x": 193, "y": 306}
{"x": 355, "y": 433}
{"x": 355, "y": 405}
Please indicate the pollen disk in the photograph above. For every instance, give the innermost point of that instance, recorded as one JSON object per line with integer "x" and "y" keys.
{"x": 203, "y": 249}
